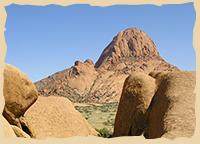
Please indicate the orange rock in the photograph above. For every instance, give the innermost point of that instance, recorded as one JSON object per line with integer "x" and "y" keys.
{"x": 172, "y": 111}
{"x": 138, "y": 90}
{"x": 19, "y": 93}
{"x": 55, "y": 117}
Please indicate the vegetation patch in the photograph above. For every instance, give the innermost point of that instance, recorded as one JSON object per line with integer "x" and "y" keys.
{"x": 101, "y": 117}
{"x": 104, "y": 132}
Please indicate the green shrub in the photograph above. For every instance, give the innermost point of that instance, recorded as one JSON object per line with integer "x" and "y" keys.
{"x": 104, "y": 132}
{"x": 104, "y": 109}
{"x": 109, "y": 122}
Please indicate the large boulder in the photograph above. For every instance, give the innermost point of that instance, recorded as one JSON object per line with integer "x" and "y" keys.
{"x": 137, "y": 93}
{"x": 172, "y": 111}
{"x": 54, "y": 116}
{"x": 19, "y": 93}
{"x": 6, "y": 128}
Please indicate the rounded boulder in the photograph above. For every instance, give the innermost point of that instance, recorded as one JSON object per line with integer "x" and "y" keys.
{"x": 138, "y": 90}
{"x": 172, "y": 110}
{"x": 56, "y": 117}
{"x": 19, "y": 93}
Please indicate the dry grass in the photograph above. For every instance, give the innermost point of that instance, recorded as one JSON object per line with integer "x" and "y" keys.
{"x": 100, "y": 116}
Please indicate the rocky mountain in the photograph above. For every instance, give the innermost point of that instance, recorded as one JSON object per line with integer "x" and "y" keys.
{"x": 102, "y": 82}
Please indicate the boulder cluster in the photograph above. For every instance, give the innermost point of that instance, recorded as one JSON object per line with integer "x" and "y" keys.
{"x": 31, "y": 116}
{"x": 157, "y": 105}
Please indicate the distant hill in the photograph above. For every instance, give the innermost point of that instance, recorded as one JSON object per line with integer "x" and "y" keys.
{"x": 102, "y": 82}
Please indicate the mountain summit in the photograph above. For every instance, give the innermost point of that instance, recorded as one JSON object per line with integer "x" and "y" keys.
{"x": 128, "y": 45}
{"x": 130, "y": 50}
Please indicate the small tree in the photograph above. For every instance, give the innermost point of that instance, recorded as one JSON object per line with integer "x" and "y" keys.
{"x": 104, "y": 132}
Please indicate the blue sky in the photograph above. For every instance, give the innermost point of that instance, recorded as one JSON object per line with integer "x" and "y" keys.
{"x": 44, "y": 40}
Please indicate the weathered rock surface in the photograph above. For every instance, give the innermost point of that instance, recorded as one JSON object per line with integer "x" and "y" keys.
{"x": 19, "y": 93}
{"x": 131, "y": 50}
{"x": 172, "y": 110}
{"x": 72, "y": 83}
{"x": 6, "y": 128}
{"x": 159, "y": 105}
{"x": 19, "y": 132}
{"x": 55, "y": 117}
{"x": 106, "y": 88}
{"x": 138, "y": 90}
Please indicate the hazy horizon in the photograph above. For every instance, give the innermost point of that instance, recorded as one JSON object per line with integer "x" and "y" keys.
{"x": 44, "y": 40}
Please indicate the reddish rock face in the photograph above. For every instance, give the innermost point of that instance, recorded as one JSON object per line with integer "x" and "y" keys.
{"x": 131, "y": 50}
{"x": 77, "y": 63}
{"x": 129, "y": 45}
{"x": 89, "y": 61}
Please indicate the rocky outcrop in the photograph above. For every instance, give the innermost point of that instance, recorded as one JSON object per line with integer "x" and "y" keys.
{"x": 106, "y": 88}
{"x": 162, "y": 105}
{"x": 19, "y": 93}
{"x": 55, "y": 117}
{"x": 138, "y": 90}
{"x": 172, "y": 110}
{"x": 72, "y": 83}
{"x": 130, "y": 50}
{"x": 6, "y": 128}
